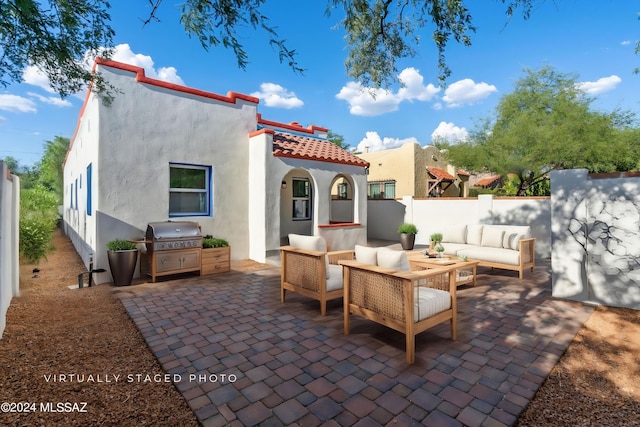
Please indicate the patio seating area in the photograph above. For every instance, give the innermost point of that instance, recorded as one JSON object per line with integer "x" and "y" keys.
{"x": 239, "y": 356}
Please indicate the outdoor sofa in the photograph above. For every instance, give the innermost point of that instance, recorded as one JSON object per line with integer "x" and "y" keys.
{"x": 509, "y": 247}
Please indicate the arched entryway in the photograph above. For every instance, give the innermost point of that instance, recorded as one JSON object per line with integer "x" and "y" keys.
{"x": 296, "y": 204}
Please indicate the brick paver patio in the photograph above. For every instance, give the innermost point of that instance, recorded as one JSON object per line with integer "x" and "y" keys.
{"x": 240, "y": 357}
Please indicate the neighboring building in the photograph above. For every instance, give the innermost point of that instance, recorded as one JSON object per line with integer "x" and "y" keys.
{"x": 491, "y": 182}
{"x": 161, "y": 151}
{"x": 412, "y": 170}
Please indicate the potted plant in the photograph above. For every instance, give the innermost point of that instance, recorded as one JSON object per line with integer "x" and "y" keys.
{"x": 407, "y": 235}
{"x": 123, "y": 256}
{"x": 216, "y": 255}
{"x": 436, "y": 244}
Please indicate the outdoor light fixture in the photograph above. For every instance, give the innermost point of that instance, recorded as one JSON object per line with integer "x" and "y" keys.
{"x": 284, "y": 185}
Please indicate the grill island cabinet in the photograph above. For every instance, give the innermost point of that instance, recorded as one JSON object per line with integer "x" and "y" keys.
{"x": 216, "y": 260}
{"x": 173, "y": 247}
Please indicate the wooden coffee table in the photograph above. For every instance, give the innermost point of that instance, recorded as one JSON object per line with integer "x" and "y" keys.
{"x": 465, "y": 270}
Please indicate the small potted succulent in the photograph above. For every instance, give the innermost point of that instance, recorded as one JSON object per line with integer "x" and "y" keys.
{"x": 407, "y": 235}
{"x": 216, "y": 255}
{"x": 436, "y": 244}
{"x": 122, "y": 256}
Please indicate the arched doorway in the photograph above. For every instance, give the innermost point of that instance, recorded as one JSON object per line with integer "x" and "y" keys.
{"x": 296, "y": 204}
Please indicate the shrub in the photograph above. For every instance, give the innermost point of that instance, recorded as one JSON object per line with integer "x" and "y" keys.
{"x": 121, "y": 245}
{"x": 38, "y": 219}
{"x": 407, "y": 228}
{"x": 213, "y": 242}
{"x": 35, "y": 238}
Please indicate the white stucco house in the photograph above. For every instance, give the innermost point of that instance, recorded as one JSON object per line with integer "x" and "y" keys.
{"x": 250, "y": 181}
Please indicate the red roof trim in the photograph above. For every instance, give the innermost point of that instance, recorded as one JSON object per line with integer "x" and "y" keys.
{"x": 294, "y": 126}
{"x": 232, "y": 97}
{"x": 261, "y": 131}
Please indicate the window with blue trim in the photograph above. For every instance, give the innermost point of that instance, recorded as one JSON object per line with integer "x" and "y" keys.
{"x": 89, "y": 207}
{"x": 189, "y": 190}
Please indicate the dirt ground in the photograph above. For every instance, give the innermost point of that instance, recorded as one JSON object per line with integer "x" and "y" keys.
{"x": 53, "y": 332}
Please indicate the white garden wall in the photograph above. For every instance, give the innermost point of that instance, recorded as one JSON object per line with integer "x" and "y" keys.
{"x": 596, "y": 237}
{"x": 432, "y": 215}
{"x": 9, "y": 240}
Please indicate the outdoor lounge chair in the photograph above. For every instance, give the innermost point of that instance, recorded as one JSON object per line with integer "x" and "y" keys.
{"x": 407, "y": 301}
{"x": 308, "y": 269}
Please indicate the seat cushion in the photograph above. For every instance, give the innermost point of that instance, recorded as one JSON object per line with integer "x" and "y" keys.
{"x": 395, "y": 260}
{"x": 454, "y": 248}
{"x": 488, "y": 254}
{"x": 334, "y": 277}
{"x": 428, "y": 301}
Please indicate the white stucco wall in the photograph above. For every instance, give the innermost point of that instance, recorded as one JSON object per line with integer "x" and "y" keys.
{"x": 140, "y": 133}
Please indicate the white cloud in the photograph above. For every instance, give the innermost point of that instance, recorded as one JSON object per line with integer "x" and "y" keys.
{"x": 449, "y": 132}
{"x": 122, "y": 53}
{"x": 625, "y": 42}
{"x": 17, "y": 103}
{"x": 604, "y": 84}
{"x": 466, "y": 91}
{"x": 276, "y": 96}
{"x": 3, "y": 120}
{"x": 365, "y": 101}
{"x": 58, "y": 102}
{"x": 372, "y": 142}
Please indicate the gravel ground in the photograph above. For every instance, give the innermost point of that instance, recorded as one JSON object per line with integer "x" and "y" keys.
{"x": 53, "y": 331}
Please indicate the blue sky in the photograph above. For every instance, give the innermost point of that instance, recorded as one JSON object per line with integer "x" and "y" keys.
{"x": 594, "y": 40}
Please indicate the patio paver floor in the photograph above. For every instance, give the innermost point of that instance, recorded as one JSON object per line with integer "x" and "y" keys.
{"x": 240, "y": 357}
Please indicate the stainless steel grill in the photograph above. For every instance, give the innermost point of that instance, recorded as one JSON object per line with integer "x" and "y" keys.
{"x": 173, "y": 247}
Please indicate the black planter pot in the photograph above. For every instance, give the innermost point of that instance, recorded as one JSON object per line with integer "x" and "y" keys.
{"x": 407, "y": 241}
{"x": 122, "y": 265}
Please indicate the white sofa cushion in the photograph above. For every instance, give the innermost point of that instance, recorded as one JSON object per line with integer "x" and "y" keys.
{"x": 428, "y": 301}
{"x": 366, "y": 254}
{"x": 395, "y": 260}
{"x": 453, "y": 248}
{"x": 454, "y": 234}
{"x": 334, "y": 280}
{"x": 310, "y": 243}
{"x": 474, "y": 234}
{"x": 492, "y": 237}
{"x": 489, "y": 254}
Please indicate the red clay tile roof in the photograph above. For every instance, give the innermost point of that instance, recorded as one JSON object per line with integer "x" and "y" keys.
{"x": 302, "y": 147}
{"x": 462, "y": 172}
{"x": 440, "y": 174}
{"x": 486, "y": 181}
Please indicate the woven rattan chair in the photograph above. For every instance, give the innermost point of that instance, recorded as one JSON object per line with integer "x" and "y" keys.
{"x": 407, "y": 301}
{"x": 311, "y": 272}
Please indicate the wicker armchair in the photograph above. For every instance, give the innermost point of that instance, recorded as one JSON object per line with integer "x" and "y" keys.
{"x": 407, "y": 301}
{"x": 311, "y": 272}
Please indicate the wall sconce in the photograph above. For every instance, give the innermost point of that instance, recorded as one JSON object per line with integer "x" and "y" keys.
{"x": 283, "y": 185}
